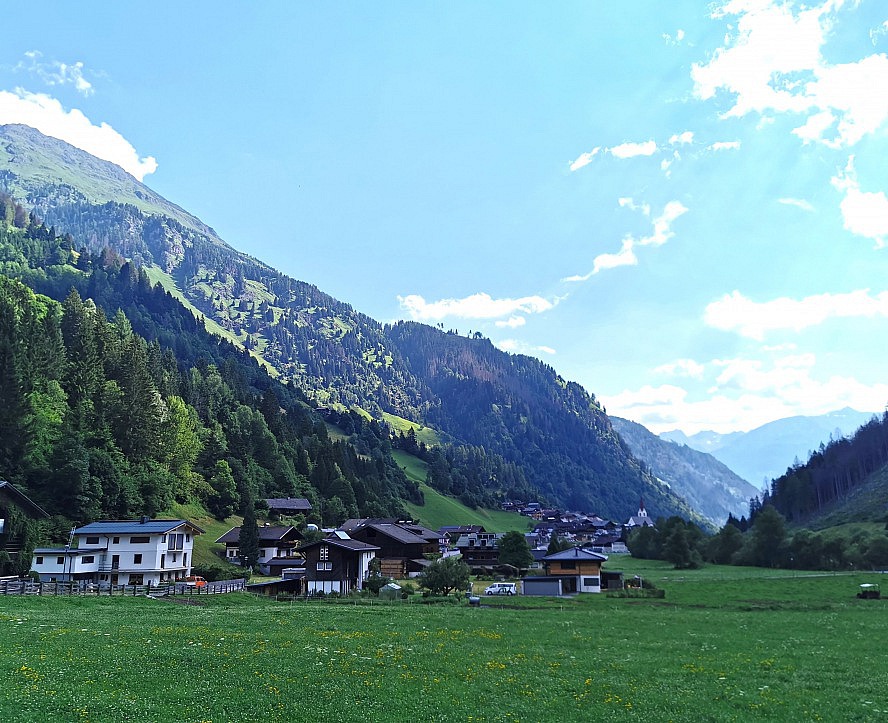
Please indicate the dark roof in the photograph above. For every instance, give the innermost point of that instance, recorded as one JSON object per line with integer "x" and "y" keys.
{"x": 22, "y": 500}
{"x": 124, "y": 527}
{"x": 73, "y": 552}
{"x": 345, "y": 544}
{"x": 289, "y": 503}
{"x": 265, "y": 533}
{"x": 576, "y": 553}
{"x": 397, "y": 533}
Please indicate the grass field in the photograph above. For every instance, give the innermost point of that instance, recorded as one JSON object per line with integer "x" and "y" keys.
{"x": 440, "y": 510}
{"x": 726, "y": 644}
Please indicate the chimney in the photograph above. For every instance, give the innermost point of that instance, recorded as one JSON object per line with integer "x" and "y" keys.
{"x": 143, "y": 519}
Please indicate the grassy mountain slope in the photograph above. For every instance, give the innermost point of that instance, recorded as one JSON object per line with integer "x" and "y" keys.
{"x": 706, "y": 483}
{"x": 513, "y": 405}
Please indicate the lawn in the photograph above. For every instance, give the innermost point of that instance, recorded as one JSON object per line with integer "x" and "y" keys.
{"x": 724, "y": 645}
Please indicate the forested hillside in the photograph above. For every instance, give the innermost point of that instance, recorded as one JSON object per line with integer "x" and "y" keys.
{"x": 512, "y": 406}
{"x": 843, "y": 473}
{"x": 117, "y": 402}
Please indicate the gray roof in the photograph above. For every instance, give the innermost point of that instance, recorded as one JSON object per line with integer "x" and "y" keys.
{"x": 126, "y": 527}
{"x": 289, "y": 503}
{"x": 576, "y": 553}
{"x": 398, "y": 533}
{"x": 268, "y": 534}
{"x": 348, "y": 544}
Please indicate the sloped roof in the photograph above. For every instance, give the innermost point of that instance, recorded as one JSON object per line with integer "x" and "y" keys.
{"x": 288, "y": 503}
{"x": 126, "y": 527}
{"x": 269, "y": 534}
{"x": 576, "y": 553}
{"x": 397, "y": 533}
{"x": 349, "y": 544}
{"x": 22, "y": 500}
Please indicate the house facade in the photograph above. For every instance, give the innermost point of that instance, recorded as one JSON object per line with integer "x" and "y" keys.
{"x": 402, "y": 546}
{"x": 17, "y": 534}
{"x": 115, "y": 552}
{"x": 288, "y": 506}
{"x": 579, "y": 569}
{"x": 337, "y": 564}
{"x": 479, "y": 550}
{"x": 277, "y": 545}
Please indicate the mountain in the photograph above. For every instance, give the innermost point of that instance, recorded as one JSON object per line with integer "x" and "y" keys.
{"x": 479, "y": 399}
{"x": 764, "y": 453}
{"x": 843, "y": 481}
{"x": 707, "y": 484}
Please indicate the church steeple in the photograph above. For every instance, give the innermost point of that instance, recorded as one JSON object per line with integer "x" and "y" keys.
{"x": 642, "y": 512}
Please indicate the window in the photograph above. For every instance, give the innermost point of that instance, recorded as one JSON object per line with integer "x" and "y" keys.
{"x": 137, "y": 558}
{"x": 325, "y": 566}
{"x": 590, "y": 582}
{"x": 325, "y": 552}
{"x": 162, "y": 561}
{"x": 137, "y": 579}
{"x": 140, "y": 540}
{"x": 571, "y": 565}
{"x": 88, "y": 559}
{"x": 60, "y": 560}
{"x": 185, "y": 559}
{"x": 232, "y": 552}
{"x": 175, "y": 542}
{"x": 92, "y": 540}
{"x": 116, "y": 540}
{"x": 39, "y": 560}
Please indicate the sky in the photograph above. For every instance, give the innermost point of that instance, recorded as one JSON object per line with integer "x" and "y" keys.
{"x": 681, "y": 206}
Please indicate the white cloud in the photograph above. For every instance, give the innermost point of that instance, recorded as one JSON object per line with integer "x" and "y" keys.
{"x": 682, "y": 368}
{"x": 513, "y": 322}
{"x": 54, "y": 72}
{"x": 797, "y": 202}
{"x": 682, "y": 139}
{"x": 724, "y": 146}
{"x": 476, "y": 306}
{"x": 514, "y": 346}
{"x": 631, "y": 150}
{"x": 674, "y": 39}
{"x": 661, "y": 233}
{"x": 772, "y": 62}
{"x": 734, "y": 312}
{"x": 47, "y": 115}
{"x": 584, "y": 159}
{"x": 750, "y": 394}
{"x": 864, "y": 213}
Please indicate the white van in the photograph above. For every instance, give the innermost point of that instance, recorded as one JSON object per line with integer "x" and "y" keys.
{"x": 500, "y": 588}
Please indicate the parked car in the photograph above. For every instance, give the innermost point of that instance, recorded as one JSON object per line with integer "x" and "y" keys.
{"x": 500, "y": 588}
{"x": 193, "y": 581}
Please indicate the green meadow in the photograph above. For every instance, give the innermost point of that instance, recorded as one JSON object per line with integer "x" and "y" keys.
{"x": 725, "y": 644}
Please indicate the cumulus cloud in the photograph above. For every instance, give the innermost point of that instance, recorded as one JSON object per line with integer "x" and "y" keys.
{"x": 682, "y": 368}
{"x": 513, "y": 322}
{"x": 682, "y": 139}
{"x": 660, "y": 234}
{"x": 772, "y": 61}
{"x": 631, "y": 150}
{"x": 47, "y": 115}
{"x": 54, "y": 72}
{"x": 476, "y": 306}
{"x": 864, "y": 213}
{"x": 747, "y": 394}
{"x": 735, "y": 312}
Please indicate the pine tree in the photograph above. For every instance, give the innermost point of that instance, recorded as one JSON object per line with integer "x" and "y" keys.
{"x": 248, "y": 539}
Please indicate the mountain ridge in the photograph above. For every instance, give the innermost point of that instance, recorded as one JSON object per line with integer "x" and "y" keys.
{"x": 343, "y": 358}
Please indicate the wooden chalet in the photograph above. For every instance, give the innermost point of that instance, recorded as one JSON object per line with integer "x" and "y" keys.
{"x": 578, "y": 568}
{"x": 337, "y": 564}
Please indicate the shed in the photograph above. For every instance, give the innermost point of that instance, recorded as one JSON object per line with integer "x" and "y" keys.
{"x": 391, "y": 591}
{"x": 542, "y": 585}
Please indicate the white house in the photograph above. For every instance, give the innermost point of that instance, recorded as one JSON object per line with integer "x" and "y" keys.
{"x": 129, "y": 552}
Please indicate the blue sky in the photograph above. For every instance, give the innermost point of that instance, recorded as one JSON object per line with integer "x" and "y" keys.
{"x": 679, "y": 205}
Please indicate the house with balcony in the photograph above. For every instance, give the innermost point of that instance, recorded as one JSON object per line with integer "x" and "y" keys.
{"x": 480, "y": 550}
{"x": 121, "y": 552}
{"x": 403, "y": 546}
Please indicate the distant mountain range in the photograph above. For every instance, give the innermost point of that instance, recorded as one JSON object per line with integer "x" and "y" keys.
{"x": 707, "y": 484}
{"x": 554, "y": 432}
{"x": 765, "y": 453}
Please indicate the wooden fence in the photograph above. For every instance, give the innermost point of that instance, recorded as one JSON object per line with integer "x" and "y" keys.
{"x": 29, "y": 587}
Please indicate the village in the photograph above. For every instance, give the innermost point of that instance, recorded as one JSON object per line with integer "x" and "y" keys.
{"x": 154, "y": 554}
